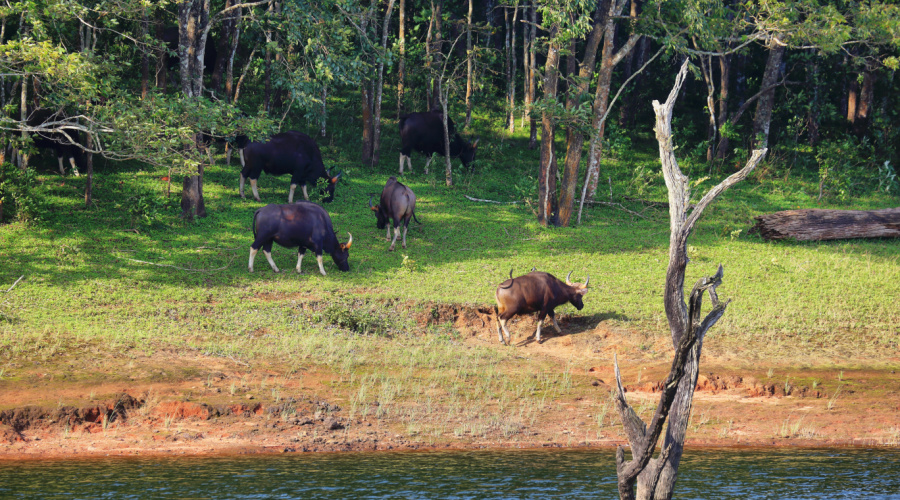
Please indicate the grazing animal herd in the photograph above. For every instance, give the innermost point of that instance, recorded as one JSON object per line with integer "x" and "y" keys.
{"x": 307, "y": 226}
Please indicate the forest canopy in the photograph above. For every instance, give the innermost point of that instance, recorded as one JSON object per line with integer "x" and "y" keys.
{"x": 158, "y": 81}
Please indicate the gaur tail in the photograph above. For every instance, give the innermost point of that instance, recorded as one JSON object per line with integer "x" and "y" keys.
{"x": 416, "y": 219}
{"x": 511, "y": 280}
{"x": 253, "y": 225}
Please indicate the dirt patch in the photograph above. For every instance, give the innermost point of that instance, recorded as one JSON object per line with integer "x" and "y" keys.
{"x": 180, "y": 402}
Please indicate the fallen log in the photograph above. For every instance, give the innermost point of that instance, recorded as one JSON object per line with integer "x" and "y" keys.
{"x": 814, "y": 224}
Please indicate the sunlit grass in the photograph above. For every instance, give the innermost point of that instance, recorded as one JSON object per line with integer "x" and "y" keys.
{"x": 95, "y": 276}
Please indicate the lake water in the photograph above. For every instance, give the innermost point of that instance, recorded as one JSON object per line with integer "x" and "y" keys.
{"x": 577, "y": 474}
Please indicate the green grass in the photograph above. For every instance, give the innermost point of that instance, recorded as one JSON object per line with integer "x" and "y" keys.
{"x": 83, "y": 283}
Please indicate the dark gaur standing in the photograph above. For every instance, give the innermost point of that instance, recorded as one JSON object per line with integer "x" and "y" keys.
{"x": 398, "y": 204}
{"x": 302, "y": 224}
{"x": 60, "y": 143}
{"x": 292, "y": 153}
{"x": 424, "y": 132}
{"x": 535, "y": 292}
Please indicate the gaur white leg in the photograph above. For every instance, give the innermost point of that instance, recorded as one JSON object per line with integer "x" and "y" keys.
{"x": 556, "y": 325}
{"x": 74, "y": 167}
{"x": 409, "y": 164}
{"x": 401, "y": 163}
{"x": 62, "y": 170}
{"x": 394, "y": 241}
{"x": 427, "y": 163}
{"x": 241, "y": 188}
{"x": 537, "y": 333}
{"x": 271, "y": 262}
{"x": 299, "y": 260}
{"x": 291, "y": 193}
{"x": 305, "y": 195}
{"x": 404, "y": 236}
{"x": 241, "y": 153}
{"x": 321, "y": 267}
{"x": 500, "y": 333}
{"x": 387, "y": 234}
{"x": 255, "y": 192}
{"x": 252, "y": 257}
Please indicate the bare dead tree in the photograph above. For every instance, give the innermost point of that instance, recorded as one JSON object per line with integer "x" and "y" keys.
{"x": 655, "y": 477}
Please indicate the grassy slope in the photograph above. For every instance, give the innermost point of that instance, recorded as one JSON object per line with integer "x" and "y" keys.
{"x": 82, "y": 278}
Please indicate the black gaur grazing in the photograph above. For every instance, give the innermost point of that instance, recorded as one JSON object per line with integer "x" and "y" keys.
{"x": 424, "y": 132}
{"x": 292, "y": 153}
{"x": 302, "y": 224}
{"x": 63, "y": 144}
{"x": 535, "y": 292}
{"x": 398, "y": 204}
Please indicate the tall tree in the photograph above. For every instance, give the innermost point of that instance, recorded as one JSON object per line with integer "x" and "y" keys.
{"x": 379, "y": 89}
{"x": 574, "y": 136}
{"x": 609, "y": 59}
{"x": 470, "y": 87}
{"x": 547, "y": 201}
{"x": 401, "y": 64}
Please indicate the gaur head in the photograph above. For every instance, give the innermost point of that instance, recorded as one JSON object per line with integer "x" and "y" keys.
{"x": 329, "y": 189}
{"x": 580, "y": 290}
{"x": 341, "y": 254}
{"x": 467, "y": 151}
{"x": 382, "y": 218}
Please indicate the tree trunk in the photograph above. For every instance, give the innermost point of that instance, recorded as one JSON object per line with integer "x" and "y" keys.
{"x": 234, "y": 40}
{"x": 763, "y": 119}
{"x": 812, "y": 83}
{"x": 574, "y": 137}
{"x": 712, "y": 129}
{"x": 532, "y": 84}
{"x": 223, "y": 47}
{"x": 633, "y": 99}
{"x": 655, "y": 478}
{"x": 192, "y": 204}
{"x": 512, "y": 68}
{"x": 469, "y": 63}
{"x": 162, "y": 62}
{"x": 429, "y": 98}
{"x": 448, "y": 177}
{"x": 23, "y": 114}
{"x": 267, "y": 92}
{"x": 401, "y": 64}
{"x": 145, "y": 55}
{"x": 193, "y": 27}
{"x": 608, "y": 62}
{"x": 367, "y": 122}
{"x": 379, "y": 89}
{"x": 547, "y": 172}
{"x": 437, "y": 51}
{"x": 866, "y": 99}
{"x": 817, "y": 225}
{"x": 89, "y": 167}
{"x": 507, "y": 59}
{"x": 724, "y": 88}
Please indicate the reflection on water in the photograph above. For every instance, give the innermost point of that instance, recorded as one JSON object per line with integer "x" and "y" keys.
{"x": 705, "y": 474}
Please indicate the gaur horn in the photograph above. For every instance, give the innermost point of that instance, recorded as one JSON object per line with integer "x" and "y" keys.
{"x": 510, "y": 273}
{"x": 475, "y": 144}
{"x": 533, "y": 269}
{"x": 588, "y": 280}
{"x": 370, "y": 201}
{"x": 350, "y": 241}
{"x": 567, "y": 278}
